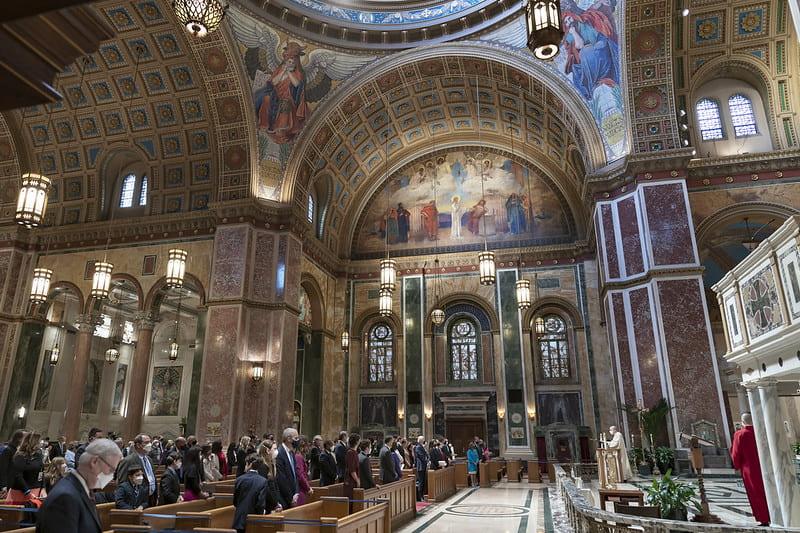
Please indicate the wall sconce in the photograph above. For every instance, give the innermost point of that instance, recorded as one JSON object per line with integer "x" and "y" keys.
{"x": 21, "y": 412}
{"x": 258, "y": 373}
{"x": 428, "y": 414}
{"x": 401, "y": 414}
{"x": 501, "y": 414}
{"x": 532, "y": 414}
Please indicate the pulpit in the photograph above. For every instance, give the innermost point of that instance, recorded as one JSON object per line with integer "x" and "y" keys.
{"x": 609, "y": 467}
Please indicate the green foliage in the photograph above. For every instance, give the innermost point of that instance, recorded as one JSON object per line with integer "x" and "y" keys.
{"x": 638, "y": 456}
{"x": 670, "y": 496}
{"x": 654, "y": 419}
{"x": 664, "y": 457}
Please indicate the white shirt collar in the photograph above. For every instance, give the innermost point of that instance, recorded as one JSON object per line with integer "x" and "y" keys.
{"x": 83, "y": 482}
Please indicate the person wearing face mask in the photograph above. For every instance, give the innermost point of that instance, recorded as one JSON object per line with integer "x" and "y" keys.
{"x": 139, "y": 458}
{"x": 327, "y": 465}
{"x": 70, "y": 508}
{"x": 285, "y": 473}
{"x": 170, "y": 489}
{"x": 364, "y": 465}
{"x": 131, "y": 493}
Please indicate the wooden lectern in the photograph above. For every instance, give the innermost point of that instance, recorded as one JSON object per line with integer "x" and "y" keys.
{"x": 609, "y": 467}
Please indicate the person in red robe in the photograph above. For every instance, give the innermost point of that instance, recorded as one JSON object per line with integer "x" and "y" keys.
{"x": 281, "y": 103}
{"x": 430, "y": 219}
{"x": 744, "y": 454}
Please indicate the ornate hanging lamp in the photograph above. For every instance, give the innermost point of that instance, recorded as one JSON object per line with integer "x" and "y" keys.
{"x": 486, "y": 267}
{"x": 174, "y": 347}
{"x": 200, "y": 17}
{"x": 487, "y": 271}
{"x": 101, "y": 280}
{"x": 385, "y": 303}
{"x": 543, "y": 22}
{"x": 32, "y": 200}
{"x": 523, "y": 290}
{"x": 437, "y": 315}
{"x": 55, "y": 354}
{"x": 388, "y": 274}
{"x": 538, "y": 326}
{"x": 176, "y": 268}
{"x": 40, "y": 285}
{"x": 345, "y": 341}
{"x": 112, "y": 355}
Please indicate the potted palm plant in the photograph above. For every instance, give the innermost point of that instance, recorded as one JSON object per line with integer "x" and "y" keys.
{"x": 671, "y": 497}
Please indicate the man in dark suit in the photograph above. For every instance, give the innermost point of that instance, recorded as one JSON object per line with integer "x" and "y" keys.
{"x": 365, "y": 466}
{"x": 58, "y": 447}
{"x": 327, "y": 465}
{"x": 70, "y": 508}
{"x": 285, "y": 473}
{"x": 94, "y": 433}
{"x": 340, "y": 451}
{"x": 5, "y": 460}
{"x": 313, "y": 457}
{"x": 170, "y": 489}
{"x": 139, "y": 458}
{"x": 249, "y": 493}
{"x": 388, "y": 473}
{"x": 421, "y": 460}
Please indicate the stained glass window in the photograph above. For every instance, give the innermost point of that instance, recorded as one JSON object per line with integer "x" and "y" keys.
{"x": 126, "y": 191}
{"x": 554, "y": 348}
{"x": 464, "y": 350}
{"x": 381, "y": 354}
{"x": 143, "y": 192}
{"x": 709, "y": 119}
{"x": 310, "y": 208}
{"x": 742, "y": 117}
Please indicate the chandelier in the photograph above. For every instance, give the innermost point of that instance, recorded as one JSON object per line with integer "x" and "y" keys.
{"x": 40, "y": 285}
{"x": 486, "y": 269}
{"x": 101, "y": 280}
{"x": 543, "y": 22}
{"x": 55, "y": 353}
{"x": 199, "y": 17}
{"x": 112, "y": 355}
{"x": 523, "y": 290}
{"x": 176, "y": 268}
{"x": 32, "y": 200}
{"x": 538, "y": 326}
{"x": 388, "y": 274}
{"x": 385, "y": 303}
{"x": 174, "y": 347}
{"x": 345, "y": 341}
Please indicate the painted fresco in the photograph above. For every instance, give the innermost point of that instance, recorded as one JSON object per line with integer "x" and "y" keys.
{"x": 91, "y": 394}
{"x": 761, "y": 303}
{"x": 560, "y": 408}
{"x": 517, "y": 206}
{"x": 45, "y": 380}
{"x": 165, "y": 394}
{"x": 305, "y": 308}
{"x": 119, "y": 389}
{"x": 288, "y": 78}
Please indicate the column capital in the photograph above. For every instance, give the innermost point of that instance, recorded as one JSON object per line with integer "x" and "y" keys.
{"x": 144, "y": 320}
{"x": 86, "y": 322}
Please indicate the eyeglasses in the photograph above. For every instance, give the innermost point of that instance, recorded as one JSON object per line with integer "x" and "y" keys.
{"x": 106, "y": 462}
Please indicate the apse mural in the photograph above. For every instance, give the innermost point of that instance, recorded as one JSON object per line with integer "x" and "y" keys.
{"x": 518, "y": 206}
{"x": 305, "y": 318}
{"x": 288, "y": 78}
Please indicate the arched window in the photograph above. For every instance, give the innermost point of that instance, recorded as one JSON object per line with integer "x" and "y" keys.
{"x": 310, "y": 208}
{"x": 381, "y": 354}
{"x": 709, "y": 119}
{"x": 742, "y": 116}
{"x": 126, "y": 191}
{"x": 554, "y": 348}
{"x": 143, "y": 192}
{"x": 463, "y": 350}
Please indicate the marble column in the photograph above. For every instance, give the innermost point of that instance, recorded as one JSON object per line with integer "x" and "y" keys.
{"x": 763, "y": 452}
{"x": 140, "y": 365}
{"x": 80, "y": 372}
{"x": 779, "y": 440}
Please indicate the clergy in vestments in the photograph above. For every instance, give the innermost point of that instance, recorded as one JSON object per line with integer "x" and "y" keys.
{"x": 744, "y": 454}
{"x": 618, "y": 443}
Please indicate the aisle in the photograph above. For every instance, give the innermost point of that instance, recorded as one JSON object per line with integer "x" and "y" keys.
{"x": 504, "y": 508}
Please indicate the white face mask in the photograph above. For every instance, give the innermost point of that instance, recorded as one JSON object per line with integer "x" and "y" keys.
{"x": 103, "y": 479}
{"x": 148, "y": 447}
{"x": 137, "y": 480}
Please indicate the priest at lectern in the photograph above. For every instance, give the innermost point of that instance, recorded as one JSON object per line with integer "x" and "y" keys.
{"x": 618, "y": 443}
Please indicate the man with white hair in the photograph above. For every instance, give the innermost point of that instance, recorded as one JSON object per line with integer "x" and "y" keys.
{"x": 70, "y": 506}
{"x": 285, "y": 473}
{"x": 618, "y": 443}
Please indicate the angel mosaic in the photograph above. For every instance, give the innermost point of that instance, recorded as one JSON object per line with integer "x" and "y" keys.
{"x": 287, "y": 78}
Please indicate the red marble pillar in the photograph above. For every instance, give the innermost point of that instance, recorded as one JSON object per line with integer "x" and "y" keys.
{"x": 80, "y": 371}
{"x": 140, "y": 365}
{"x": 657, "y": 319}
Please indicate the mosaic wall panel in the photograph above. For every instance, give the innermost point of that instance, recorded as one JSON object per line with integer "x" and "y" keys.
{"x": 760, "y": 300}
{"x": 230, "y": 262}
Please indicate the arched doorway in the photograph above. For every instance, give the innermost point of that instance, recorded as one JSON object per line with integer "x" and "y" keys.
{"x": 308, "y": 372}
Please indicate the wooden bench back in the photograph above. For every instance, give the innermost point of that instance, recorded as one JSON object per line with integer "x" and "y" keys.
{"x": 103, "y": 510}
{"x": 402, "y": 496}
{"x": 12, "y": 517}
{"x": 219, "y": 517}
{"x": 335, "y": 491}
{"x": 441, "y": 483}
{"x": 127, "y": 517}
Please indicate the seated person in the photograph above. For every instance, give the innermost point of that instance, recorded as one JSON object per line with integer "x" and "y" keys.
{"x": 170, "y": 491}
{"x": 131, "y": 494}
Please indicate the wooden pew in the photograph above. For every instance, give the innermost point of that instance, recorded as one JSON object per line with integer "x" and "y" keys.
{"x": 145, "y": 517}
{"x": 316, "y": 519}
{"x": 534, "y": 473}
{"x": 13, "y": 517}
{"x": 336, "y": 490}
{"x": 137, "y": 529}
{"x": 462, "y": 478}
{"x": 441, "y": 483}
{"x": 103, "y": 510}
{"x": 219, "y": 517}
{"x": 514, "y": 470}
{"x": 402, "y": 496}
{"x": 23, "y": 530}
{"x": 225, "y": 486}
{"x": 485, "y": 477}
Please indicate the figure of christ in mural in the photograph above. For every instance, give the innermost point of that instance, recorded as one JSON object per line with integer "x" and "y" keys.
{"x": 455, "y": 218}
{"x": 475, "y": 215}
{"x": 430, "y": 220}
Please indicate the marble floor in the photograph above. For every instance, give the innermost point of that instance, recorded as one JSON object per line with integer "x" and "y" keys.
{"x": 503, "y": 508}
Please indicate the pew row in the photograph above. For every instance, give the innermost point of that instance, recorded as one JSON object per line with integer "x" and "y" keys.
{"x": 324, "y": 516}
{"x": 402, "y": 497}
{"x": 441, "y": 483}
{"x": 162, "y": 516}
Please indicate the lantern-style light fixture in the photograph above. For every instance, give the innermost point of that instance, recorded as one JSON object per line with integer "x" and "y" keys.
{"x": 258, "y": 373}
{"x": 112, "y": 355}
{"x": 55, "y": 354}
{"x": 32, "y": 200}
{"x": 21, "y": 412}
{"x": 200, "y": 17}
{"x": 543, "y": 21}
{"x": 538, "y": 326}
{"x": 385, "y": 303}
{"x": 176, "y": 267}
{"x": 40, "y": 285}
{"x": 101, "y": 280}
{"x": 437, "y": 316}
{"x": 345, "y": 341}
{"x": 174, "y": 348}
{"x": 388, "y": 274}
{"x": 486, "y": 270}
{"x": 523, "y": 290}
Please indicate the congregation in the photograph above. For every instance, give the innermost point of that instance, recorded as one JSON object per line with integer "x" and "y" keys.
{"x": 64, "y": 482}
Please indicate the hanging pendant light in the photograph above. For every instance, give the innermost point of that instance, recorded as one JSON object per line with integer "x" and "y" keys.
{"x": 486, "y": 265}
{"x": 55, "y": 353}
{"x": 101, "y": 280}
{"x": 199, "y": 17}
{"x": 388, "y": 274}
{"x": 40, "y": 285}
{"x": 174, "y": 348}
{"x": 543, "y": 22}
{"x": 176, "y": 267}
{"x": 538, "y": 326}
{"x": 345, "y": 341}
{"x": 112, "y": 355}
{"x": 523, "y": 290}
{"x": 385, "y": 303}
{"x": 32, "y": 200}
{"x": 437, "y": 316}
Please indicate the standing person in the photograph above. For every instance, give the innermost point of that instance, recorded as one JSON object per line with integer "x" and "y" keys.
{"x": 230, "y": 455}
{"x": 448, "y": 451}
{"x": 387, "y": 470}
{"x": 618, "y": 443}
{"x": 94, "y": 433}
{"x": 398, "y": 461}
{"x": 266, "y": 469}
{"x": 131, "y": 493}
{"x": 69, "y": 455}
{"x": 408, "y": 455}
{"x": 301, "y": 470}
{"x": 222, "y": 461}
{"x": 210, "y": 464}
{"x": 365, "y": 466}
{"x": 744, "y": 453}
{"x": 241, "y": 454}
{"x": 26, "y": 472}
{"x": 58, "y": 447}
{"x": 170, "y": 489}
{"x": 472, "y": 463}
{"x": 327, "y": 465}
{"x": 55, "y": 471}
{"x": 285, "y": 473}
{"x": 6, "y": 457}
{"x": 139, "y": 457}
{"x": 156, "y": 452}
{"x": 435, "y": 455}
{"x": 70, "y": 508}
{"x": 313, "y": 457}
{"x": 193, "y": 476}
{"x": 249, "y": 493}
{"x": 421, "y": 460}
{"x": 351, "y": 478}
{"x": 340, "y": 451}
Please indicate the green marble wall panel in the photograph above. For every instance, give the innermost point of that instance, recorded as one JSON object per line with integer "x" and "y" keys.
{"x": 197, "y": 369}
{"x": 516, "y": 414}
{"x": 20, "y": 389}
{"x": 412, "y": 321}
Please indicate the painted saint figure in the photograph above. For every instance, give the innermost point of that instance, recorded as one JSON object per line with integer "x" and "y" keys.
{"x": 515, "y": 214}
{"x": 430, "y": 220}
{"x": 592, "y": 50}
{"x": 391, "y": 226}
{"x": 475, "y": 214}
{"x": 455, "y": 217}
{"x": 403, "y": 217}
{"x": 280, "y": 98}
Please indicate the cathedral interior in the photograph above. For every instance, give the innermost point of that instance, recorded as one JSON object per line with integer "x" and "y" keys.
{"x": 395, "y": 218}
